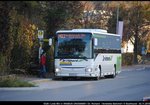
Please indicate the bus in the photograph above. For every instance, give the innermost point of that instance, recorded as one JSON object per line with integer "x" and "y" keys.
{"x": 87, "y": 53}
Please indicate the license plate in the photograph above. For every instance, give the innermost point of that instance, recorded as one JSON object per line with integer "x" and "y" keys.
{"x": 72, "y": 74}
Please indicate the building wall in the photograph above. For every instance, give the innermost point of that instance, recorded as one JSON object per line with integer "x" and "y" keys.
{"x": 128, "y": 47}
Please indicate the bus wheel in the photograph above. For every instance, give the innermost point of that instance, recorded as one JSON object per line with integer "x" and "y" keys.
{"x": 100, "y": 71}
{"x": 96, "y": 78}
{"x": 114, "y": 75}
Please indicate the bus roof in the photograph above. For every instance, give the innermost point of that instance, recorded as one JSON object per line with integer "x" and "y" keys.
{"x": 83, "y": 30}
{"x": 107, "y": 34}
{"x": 96, "y": 31}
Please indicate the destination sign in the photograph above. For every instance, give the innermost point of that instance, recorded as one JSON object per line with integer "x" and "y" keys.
{"x": 71, "y": 35}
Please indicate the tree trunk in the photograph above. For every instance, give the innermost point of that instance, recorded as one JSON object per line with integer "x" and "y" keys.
{"x": 136, "y": 46}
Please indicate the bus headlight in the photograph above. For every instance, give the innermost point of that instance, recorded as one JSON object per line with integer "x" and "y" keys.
{"x": 88, "y": 69}
{"x": 57, "y": 69}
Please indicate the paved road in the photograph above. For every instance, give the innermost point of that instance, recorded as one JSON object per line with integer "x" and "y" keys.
{"x": 127, "y": 86}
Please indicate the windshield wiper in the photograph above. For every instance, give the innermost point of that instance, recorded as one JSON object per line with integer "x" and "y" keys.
{"x": 84, "y": 57}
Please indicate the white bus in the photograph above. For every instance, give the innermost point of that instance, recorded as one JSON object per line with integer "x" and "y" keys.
{"x": 87, "y": 53}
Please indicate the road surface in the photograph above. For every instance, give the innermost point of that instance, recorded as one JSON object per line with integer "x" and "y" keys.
{"x": 130, "y": 85}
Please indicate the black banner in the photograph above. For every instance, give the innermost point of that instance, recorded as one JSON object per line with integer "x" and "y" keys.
{"x": 74, "y": 103}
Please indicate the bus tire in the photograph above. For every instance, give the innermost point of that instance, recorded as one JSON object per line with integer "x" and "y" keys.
{"x": 96, "y": 78}
{"x": 100, "y": 71}
{"x": 115, "y": 72}
{"x": 99, "y": 76}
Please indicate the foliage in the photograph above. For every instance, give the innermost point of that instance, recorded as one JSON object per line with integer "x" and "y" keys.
{"x": 137, "y": 21}
{"x": 25, "y": 39}
{"x": 63, "y": 15}
{"x": 5, "y": 38}
{"x": 14, "y": 82}
{"x": 103, "y": 15}
{"x": 135, "y": 15}
{"x": 3, "y": 63}
{"x": 18, "y": 38}
{"x": 127, "y": 59}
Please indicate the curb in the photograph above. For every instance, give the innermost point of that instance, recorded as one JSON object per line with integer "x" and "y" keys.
{"x": 21, "y": 88}
{"x": 136, "y": 67}
{"x": 41, "y": 80}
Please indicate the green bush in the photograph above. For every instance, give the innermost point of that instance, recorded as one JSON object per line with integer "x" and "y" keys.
{"x": 127, "y": 59}
{"x": 14, "y": 82}
{"x": 3, "y": 64}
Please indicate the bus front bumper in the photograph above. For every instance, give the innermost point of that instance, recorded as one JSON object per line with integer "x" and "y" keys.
{"x": 75, "y": 75}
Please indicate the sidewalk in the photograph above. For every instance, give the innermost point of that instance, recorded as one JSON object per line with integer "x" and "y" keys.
{"x": 136, "y": 67}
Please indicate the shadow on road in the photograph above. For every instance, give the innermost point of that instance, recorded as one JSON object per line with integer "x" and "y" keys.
{"x": 78, "y": 79}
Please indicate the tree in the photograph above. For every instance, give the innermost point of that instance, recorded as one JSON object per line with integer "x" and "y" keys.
{"x": 135, "y": 17}
{"x": 138, "y": 20}
{"x": 104, "y": 13}
{"x": 5, "y": 38}
{"x": 63, "y": 15}
{"x": 18, "y": 33}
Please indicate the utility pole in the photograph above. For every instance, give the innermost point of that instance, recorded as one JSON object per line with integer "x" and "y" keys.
{"x": 40, "y": 37}
{"x": 117, "y": 19}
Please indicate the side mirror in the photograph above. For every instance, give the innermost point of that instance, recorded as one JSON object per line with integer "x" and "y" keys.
{"x": 50, "y": 41}
{"x": 95, "y": 41}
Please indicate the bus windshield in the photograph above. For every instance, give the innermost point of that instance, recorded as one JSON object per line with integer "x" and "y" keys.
{"x": 73, "y": 46}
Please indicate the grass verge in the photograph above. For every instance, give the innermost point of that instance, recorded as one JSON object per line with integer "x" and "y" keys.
{"x": 14, "y": 82}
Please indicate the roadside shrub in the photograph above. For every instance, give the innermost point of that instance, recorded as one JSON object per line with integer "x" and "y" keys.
{"x": 12, "y": 81}
{"x": 2, "y": 63}
{"x": 127, "y": 59}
